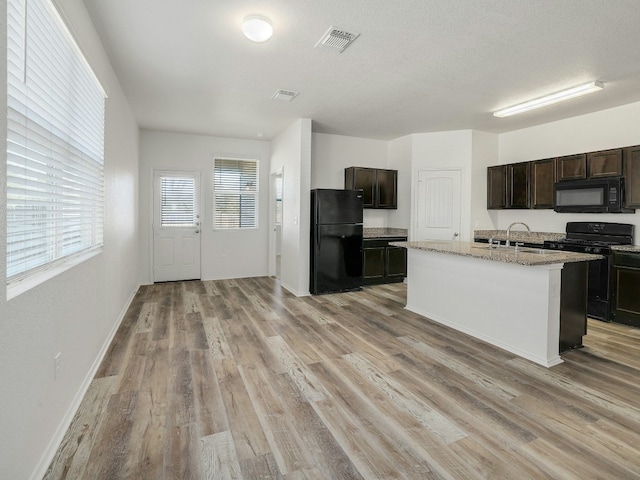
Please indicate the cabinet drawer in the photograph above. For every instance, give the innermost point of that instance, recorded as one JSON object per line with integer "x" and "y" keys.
{"x": 626, "y": 259}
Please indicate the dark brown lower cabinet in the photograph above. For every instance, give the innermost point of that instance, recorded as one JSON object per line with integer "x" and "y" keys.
{"x": 625, "y": 288}
{"x": 383, "y": 263}
{"x": 573, "y": 305}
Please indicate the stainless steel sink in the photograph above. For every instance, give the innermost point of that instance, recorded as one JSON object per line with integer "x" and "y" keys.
{"x": 538, "y": 251}
{"x": 535, "y": 251}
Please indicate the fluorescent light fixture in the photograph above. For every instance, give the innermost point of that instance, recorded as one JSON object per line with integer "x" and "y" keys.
{"x": 257, "y": 28}
{"x": 550, "y": 99}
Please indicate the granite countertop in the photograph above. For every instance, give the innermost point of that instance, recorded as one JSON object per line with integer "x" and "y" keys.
{"x": 383, "y": 232}
{"x": 524, "y": 256}
{"x": 519, "y": 236}
{"x": 626, "y": 248}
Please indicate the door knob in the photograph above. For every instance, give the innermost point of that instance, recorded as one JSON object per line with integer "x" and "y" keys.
{"x": 197, "y": 231}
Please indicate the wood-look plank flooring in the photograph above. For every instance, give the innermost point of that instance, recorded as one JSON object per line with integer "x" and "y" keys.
{"x": 239, "y": 379}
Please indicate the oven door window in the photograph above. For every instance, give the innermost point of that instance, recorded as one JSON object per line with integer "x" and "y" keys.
{"x": 583, "y": 197}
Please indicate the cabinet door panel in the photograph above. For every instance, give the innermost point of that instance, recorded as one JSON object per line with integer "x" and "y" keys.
{"x": 632, "y": 176}
{"x": 357, "y": 178}
{"x": 607, "y": 163}
{"x": 627, "y": 290}
{"x": 396, "y": 262}
{"x": 518, "y": 185}
{"x": 496, "y": 187}
{"x": 543, "y": 176}
{"x": 387, "y": 181}
{"x": 571, "y": 167}
{"x": 373, "y": 264}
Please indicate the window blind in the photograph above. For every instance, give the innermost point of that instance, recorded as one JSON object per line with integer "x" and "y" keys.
{"x": 178, "y": 207}
{"x": 235, "y": 185}
{"x": 55, "y": 143}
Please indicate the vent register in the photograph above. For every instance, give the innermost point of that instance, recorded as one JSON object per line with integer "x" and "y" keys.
{"x": 337, "y": 38}
{"x": 334, "y": 38}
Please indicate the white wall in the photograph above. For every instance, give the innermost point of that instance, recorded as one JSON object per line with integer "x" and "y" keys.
{"x": 291, "y": 154}
{"x": 484, "y": 153}
{"x": 224, "y": 253}
{"x": 615, "y": 127}
{"x": 76, "y": 312}
{"x": 445, "y": 150}
{"x": 331, "y": 154}
{"x": 399, "y": 152}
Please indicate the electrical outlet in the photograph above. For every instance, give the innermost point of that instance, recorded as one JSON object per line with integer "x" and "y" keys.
{"x": 56, "y": 365}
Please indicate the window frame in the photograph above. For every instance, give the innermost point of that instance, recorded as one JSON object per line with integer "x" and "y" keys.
{"x": 255, "y": 194}
{"x": 66, "y": 170}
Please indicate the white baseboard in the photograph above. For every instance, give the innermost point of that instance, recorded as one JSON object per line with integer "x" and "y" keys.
{"x": 550, "y": 362}
{"x": 54, "y": 444}
{"x": 247, "y": 275}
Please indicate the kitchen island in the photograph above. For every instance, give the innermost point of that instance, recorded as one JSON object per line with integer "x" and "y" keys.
{"x": 511, "y": 298}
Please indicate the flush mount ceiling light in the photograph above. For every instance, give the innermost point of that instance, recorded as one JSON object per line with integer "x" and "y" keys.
{"x": 257, "y": 28}
{"x": 590, "y": 87}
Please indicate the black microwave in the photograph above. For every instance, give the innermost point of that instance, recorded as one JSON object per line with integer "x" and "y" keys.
{"x": 601, "y": 195}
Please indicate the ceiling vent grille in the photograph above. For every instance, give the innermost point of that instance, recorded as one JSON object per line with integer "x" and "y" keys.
{"x": 337, "y": 38}
{"x": 284, "y": 95}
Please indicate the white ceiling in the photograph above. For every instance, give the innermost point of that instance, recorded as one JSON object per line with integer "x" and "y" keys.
{"x": 418, "y": 65}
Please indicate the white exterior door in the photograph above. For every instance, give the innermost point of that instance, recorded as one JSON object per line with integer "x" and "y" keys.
{"x": 438, "y": 205}
{"x": 176, "y": 226}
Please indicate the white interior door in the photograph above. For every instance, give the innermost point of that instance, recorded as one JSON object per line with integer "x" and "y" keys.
{"x": 275, "y": 219}
{"x": 438, "y": 205}
{"x": 176, "y": 226}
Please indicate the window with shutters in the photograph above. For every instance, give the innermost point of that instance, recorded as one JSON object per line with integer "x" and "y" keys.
{"x": 178, "y": 207}
{"x": 235, "y": 193}
{"x": 55, "y": 144}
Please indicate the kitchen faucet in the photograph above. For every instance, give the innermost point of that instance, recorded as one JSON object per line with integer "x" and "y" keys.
{"x": 508, "y": 243}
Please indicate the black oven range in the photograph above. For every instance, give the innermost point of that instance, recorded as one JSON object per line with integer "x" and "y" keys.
{"x": 598, "y": 238}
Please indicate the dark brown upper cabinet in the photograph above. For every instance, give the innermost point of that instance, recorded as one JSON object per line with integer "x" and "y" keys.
{"x": 497, "y": 187}
{"x": 543, "y": 176}
{"x": 387, "y": 188}
{"x": 607, "y": 163}
{"x": 359, "y": 178}
{"x": 379, "y": 186}
{"x": 632, "y": 176}
{"x": 518, "y": 185}
{"x": 571, "y": 167}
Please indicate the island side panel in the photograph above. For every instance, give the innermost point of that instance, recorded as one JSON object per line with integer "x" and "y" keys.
{"x": 514, "y": 307}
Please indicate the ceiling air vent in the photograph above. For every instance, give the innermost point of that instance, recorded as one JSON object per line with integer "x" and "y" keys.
{"x": 284, "y": 95}
{"x": 337, "y": 38}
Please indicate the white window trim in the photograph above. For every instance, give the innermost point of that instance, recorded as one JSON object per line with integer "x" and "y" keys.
{"x": 28, "y": 279}
{"x": 256, "y": 160}
{"x": 21, "y": 286}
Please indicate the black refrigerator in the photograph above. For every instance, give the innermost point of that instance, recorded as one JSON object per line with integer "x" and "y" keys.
{"x": 336, "y": 241}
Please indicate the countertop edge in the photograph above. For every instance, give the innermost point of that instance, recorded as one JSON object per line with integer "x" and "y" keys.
{"x": 500, "y": 254}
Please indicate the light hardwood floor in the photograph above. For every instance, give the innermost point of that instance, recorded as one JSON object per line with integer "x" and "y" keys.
{"x": 239, "y": 379}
